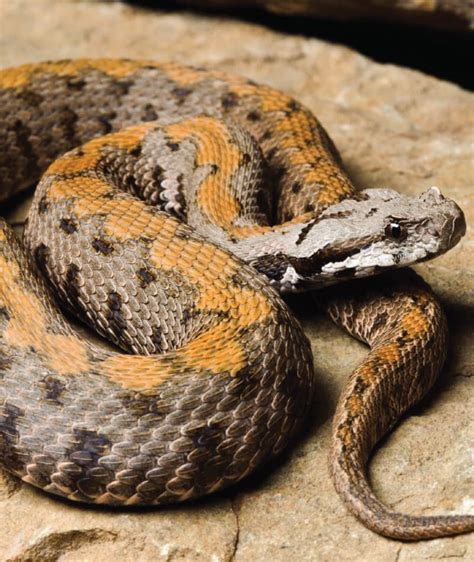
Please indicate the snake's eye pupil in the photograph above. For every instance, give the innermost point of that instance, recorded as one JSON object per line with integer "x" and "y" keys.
{"x": 395, "y": 231}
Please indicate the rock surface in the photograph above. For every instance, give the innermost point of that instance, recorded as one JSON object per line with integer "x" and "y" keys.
{"x": 394, "y": 127}
{"x": 452, "y": 14}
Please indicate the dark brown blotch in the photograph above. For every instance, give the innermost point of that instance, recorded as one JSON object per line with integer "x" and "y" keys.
{"x": 71, "y": 287}
{"x": 379, "y": 322}
{"x": 124, "y": 86}
{"x": 305, "y": 231}
{"x": 338, "y": 215}
{"x": 397, "y": 258}
{"x": 68, "y": 225}
{"x": 5, "y": 363}
{"x": 105, "y": 124}
{"x": 273, "y": 266}
{"x": 149, "y": 113}
{"x": 156, "y": 339}
{"x": 102, "y": 246}
{"x": 89, "y": 446}
{"x": 173, "y": 146}
{"x": 4, "y": 313}
{"x": 115, "y": 315}
{"x": 43, "y": 205}
{"x": 254, "y": 115}
{"x": 33, "y": 99}
{"x": 136, "y": 151}
{"x": 41, "y": 255}
{"x": 293, "y": 105}
{"x": 187, "y": 315}
{"x": 67, "y": 120}
{"x": 308, "y": 266}
{"x": 9, "y": 414}
{"x": 158, "y": 174}
{"x": 120, "y": 88}
{"x": 75, "y": 84}
{"x": 245, "y": 158}
{"x": 53, "y": 389}
{"x": 238, "y": 280}
{"x": 181, "y": 94}
{"x": 22, "y": 138}
{"x": 229, "y": 100}
{"x": 271, "y": 153}
{"x": 402, "y": 339}
{"x": 296, "y": 187}
{"x": 146, "y": 276}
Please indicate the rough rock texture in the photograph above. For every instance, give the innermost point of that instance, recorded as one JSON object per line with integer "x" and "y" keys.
{"x": 437, "y": 13}
{"x": 395, "y": 128}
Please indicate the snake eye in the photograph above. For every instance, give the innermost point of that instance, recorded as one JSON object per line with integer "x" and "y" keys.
{"x": 396, "y": 231}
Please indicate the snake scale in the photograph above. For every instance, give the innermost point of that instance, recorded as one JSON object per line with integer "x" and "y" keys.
{"x": 183, "y": 201}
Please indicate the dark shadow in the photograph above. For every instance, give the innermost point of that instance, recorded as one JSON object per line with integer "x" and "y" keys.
{"x": 439, "y": 52}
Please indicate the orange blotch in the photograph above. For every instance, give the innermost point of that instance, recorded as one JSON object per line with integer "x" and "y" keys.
{"x": 218, "y": 350}
{"x": 86, "y": 188}
{"x": 416, "y": 323}
{"x": 183, "y": 75}
{"x": 244, "y": 305}
{"x": 214, "y": 145}
{"x": 72, "y": 163}
{"x": 22, "y": 75}
{"x": 125, "y": 139}
{"x": 136, "y": 372}
{"x": 129, "y": 219}
{"x": 29, "y": 323}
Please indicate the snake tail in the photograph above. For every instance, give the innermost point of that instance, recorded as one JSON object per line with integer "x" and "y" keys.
{"x": 393, "y": 319}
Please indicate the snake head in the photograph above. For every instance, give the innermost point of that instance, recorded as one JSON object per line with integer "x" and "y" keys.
{"x": 379, "y": 230}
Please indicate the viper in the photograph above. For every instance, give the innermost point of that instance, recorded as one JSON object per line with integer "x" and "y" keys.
{"x": 175, "y": 205}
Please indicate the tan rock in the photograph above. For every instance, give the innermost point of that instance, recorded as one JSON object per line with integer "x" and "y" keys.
{"x": 394, "y": 127}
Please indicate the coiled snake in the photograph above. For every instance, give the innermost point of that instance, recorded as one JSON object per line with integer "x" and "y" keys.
{"x": 143, "y": 233}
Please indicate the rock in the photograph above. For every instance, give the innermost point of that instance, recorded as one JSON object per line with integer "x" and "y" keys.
{"x": 394, "y": 127}
{"x": 450, "y": 14}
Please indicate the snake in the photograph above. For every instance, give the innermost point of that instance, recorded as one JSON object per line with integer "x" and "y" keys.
{"x": 176, "y": 206}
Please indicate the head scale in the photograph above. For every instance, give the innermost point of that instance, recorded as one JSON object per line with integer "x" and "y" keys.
{"x": 380, "y": 230}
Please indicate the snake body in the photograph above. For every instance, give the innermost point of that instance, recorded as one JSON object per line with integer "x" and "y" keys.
{"x": 170, "y": 179}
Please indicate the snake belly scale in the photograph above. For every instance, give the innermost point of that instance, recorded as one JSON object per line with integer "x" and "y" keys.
{"x": 169, "y": 179}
